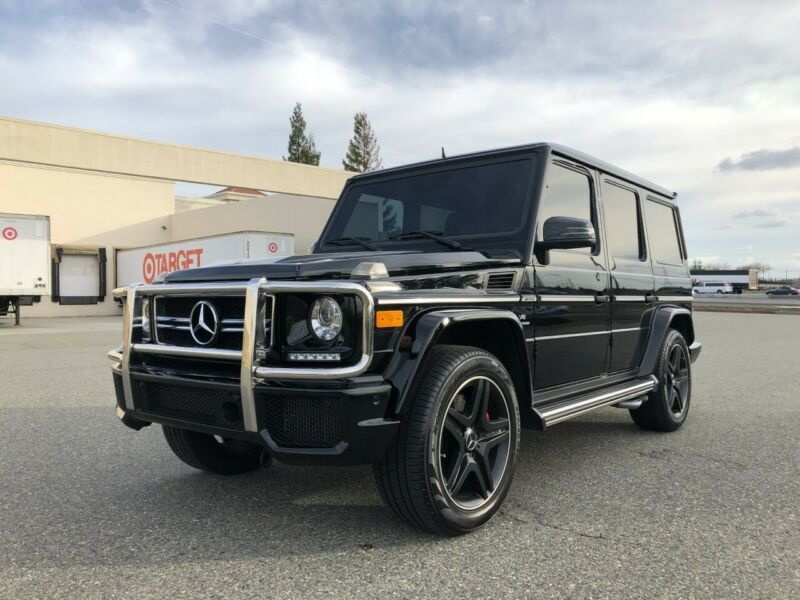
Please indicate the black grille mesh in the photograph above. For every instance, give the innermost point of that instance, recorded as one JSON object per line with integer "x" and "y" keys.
{"x": 302, "y": 421}
{"x": 214, "y": 407}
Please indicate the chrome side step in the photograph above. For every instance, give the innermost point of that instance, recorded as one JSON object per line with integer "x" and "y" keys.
{"x": 572, "y": 407}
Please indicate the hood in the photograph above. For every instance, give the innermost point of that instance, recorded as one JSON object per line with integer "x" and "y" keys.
{"x": 339, "y": 265}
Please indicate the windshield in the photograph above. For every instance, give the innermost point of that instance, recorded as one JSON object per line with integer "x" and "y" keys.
{"x": 483, "y": 207}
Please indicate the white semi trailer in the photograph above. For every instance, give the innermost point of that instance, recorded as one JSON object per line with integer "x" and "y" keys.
{"x": 145, "y": 264}
{"x": 24, "y": 261}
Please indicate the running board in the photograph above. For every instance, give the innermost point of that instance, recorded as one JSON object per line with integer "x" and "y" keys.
{"x": 572, "y": 407}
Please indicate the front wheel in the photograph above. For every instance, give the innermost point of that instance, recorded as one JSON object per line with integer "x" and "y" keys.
{"x": 212, "y": 453}
{"x": 667, "y": 406}
{"x": 454, "y": 457}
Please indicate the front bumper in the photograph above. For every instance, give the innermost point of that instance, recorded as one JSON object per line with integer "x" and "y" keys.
{"x": 318, "y": 423}
{"x": 302, "y": 415}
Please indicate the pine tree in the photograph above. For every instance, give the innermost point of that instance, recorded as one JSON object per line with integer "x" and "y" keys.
{"x": 301, "y": 146}
{"x": 363, "y": 151}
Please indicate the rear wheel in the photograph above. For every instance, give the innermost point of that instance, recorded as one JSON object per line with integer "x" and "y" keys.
{"x": 667, "y": 405}
{"x": 454, "y": 457}
{"x": 212, "y": 453}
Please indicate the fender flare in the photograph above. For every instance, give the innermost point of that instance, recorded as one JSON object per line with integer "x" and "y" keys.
{"x": 426, "y": 329}
{"x": 662, "y": 322}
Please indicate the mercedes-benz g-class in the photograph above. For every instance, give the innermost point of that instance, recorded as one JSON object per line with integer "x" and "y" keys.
{"x": 447, "y": 306}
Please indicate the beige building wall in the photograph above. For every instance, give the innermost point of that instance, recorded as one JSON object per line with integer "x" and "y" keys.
{"x": 278, "y": 213}
{"x": 88, "y": 210}
{"x": 103, "y": 190}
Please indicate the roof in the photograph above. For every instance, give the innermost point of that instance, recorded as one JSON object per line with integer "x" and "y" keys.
{"x": 232, "y": 189}
{"x": 558, "y": 149}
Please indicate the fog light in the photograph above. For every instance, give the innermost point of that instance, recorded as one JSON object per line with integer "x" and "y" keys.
{"x": 314, "y": 356}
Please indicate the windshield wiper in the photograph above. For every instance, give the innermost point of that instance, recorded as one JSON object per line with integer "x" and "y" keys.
{"x": 436, "y": 236}
{"x": 349, "y": 241}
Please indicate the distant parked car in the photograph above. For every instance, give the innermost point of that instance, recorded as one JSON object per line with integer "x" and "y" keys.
{"x": 712, "y": 287}
{"x": 784, "y": 290}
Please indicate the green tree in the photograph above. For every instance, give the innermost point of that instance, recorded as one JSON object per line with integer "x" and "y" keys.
{"x": 301, "y": 146}
{"x": 363, "y": 151}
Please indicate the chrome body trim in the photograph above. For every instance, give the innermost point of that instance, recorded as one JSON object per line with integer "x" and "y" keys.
{"x": 564, "y": 298}
{"x": 127, "y": 345}
{"x": 675, "y": 299}
{"x": 246, "y": 383}
{"x": 444, "y": 299}
{"x": 629, "y": 298}
{"x": 575, "y": 335}
{"x": 367, "y": 332}
{"x": 187, "y": 351}
{"x": 255, "y": 292}
{"x": 567, "y": 410}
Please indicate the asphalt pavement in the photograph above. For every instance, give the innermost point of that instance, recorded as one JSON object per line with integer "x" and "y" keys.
{"x": 598, "y": 508}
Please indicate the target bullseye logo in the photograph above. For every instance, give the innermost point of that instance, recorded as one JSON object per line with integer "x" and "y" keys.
{"x": 273, "y": 247}
{"x": 9, "y": 233}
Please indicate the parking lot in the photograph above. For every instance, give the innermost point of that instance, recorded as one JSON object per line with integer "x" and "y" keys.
{"x": 598, "y": 508}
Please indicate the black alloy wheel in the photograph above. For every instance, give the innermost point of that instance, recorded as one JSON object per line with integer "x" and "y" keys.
{"x": 474, "y": 442}
{"x": 667, "y": 406}
{"x": 453, "y": 459}
{"x": 676, "y": 381}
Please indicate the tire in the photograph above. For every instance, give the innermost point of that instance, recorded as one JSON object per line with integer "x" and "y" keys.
{"x": 207, "y": 453}
{"x": 452, "y": 462}
{"x": 667, "y": 406}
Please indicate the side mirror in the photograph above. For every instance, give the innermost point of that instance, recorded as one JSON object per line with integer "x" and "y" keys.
{"x": 562, "y": 233}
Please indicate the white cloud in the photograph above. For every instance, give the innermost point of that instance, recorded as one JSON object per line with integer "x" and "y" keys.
{"x": 668, "y": 91}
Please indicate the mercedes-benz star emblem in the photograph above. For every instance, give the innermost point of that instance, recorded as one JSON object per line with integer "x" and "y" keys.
{"x": 204, "y": 323}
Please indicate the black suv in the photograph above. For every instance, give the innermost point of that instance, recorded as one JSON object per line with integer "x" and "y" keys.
{"x": 447, "y": 305}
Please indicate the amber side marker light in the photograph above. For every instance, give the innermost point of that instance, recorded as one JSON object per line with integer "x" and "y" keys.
{"x": 385, "y": 319}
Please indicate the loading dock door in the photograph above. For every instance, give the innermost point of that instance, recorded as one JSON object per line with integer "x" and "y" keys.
{"x": 79, "y": 275}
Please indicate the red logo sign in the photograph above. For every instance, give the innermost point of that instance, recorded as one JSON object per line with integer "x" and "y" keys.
{"x": 167, "y": 262}
{"x": 9, "y": 233}
{"x": 273, "y": 247}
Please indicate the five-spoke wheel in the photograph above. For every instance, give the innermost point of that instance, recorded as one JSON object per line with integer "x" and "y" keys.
{"x": 474, "y": 441}
{"x": 453, "y": 459}
{"x": 668, "y": 404}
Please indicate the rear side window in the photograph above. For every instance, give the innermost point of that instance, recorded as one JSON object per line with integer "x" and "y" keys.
{"x": 662, "y": 231}
{"x": 622, "y": 222}
{"x": 568, "y": 193}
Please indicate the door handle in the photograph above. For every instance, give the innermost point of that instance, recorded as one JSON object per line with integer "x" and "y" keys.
{"x": 602, "y": 299}
{"x": 650, "y": 298}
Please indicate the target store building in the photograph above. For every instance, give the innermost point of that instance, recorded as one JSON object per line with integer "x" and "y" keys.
{"x": 124, "y": 210}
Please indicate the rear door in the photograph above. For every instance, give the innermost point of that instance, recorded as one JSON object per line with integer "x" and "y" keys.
{"x": 632, "y": 283}
{"x": 571, "y": 316}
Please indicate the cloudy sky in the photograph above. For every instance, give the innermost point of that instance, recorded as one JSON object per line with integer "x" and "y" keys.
{"x": 700, "y": 97}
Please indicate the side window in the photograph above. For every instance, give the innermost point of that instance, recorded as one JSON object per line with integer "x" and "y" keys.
{"x": 662, "y": 231}
{"x": 622, "y": 222}
{"x": 568, "y": 193}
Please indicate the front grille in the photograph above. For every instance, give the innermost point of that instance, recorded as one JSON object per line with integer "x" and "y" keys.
{"x": 302, "y": 421}
{"x": 173, "y": 315}
{"x": 207, "y": 406}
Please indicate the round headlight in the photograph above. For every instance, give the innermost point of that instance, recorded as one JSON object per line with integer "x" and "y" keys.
{"x": 326, "y": 318}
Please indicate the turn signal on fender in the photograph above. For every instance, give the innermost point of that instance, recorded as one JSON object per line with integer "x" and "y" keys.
{"x": 384, "y": 319}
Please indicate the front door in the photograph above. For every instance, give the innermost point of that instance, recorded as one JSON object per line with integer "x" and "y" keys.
{"x": 571, "y": 315}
